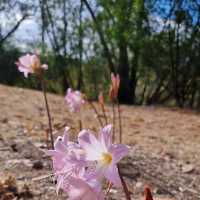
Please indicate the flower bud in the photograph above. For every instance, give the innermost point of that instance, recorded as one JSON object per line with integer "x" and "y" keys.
{"x": 114, "y": 88}
{"x": 101, "y": 99}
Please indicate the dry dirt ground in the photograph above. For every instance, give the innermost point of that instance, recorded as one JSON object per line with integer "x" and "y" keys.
{"x": 164, "y": 154}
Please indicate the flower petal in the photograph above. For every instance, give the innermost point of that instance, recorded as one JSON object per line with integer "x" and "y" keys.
{"x": 80, "y": 189}
{"x": 74, "y": 100}
{"x": 118, "y": 151}
{"x": 90, "y": 144}
{"x": 105, "y": 136}
{"x": 96, "y": 173}
{"x": 25, "y": 61}
{"x": 59, "y": 146}
{"x": 44, "y": 66}
{"x": 112, "y": 175}
{"x": 66, "y": 136}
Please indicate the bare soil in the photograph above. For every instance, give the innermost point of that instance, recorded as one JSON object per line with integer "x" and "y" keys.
{"x": 164, "y": 154}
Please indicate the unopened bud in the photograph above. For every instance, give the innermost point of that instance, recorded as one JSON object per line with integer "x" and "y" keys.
{"x": 101, "y": 98}
{"x": 114, "y": 88}
{"x": 147, "y": 194}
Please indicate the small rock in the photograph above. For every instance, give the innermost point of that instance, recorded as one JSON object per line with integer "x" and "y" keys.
{"x": 188, "y": 168}
{"x": 26, "y": 193}
{"x": 4, "y": 120}
{"x": 138, "y": 184}
{"x": 113, "y": 191}
{"x": 40, "y": 145}
{"x": 38, "y": 165}
{"x": 13, "y": 162}
{"x": 27, "y": 149}
{"x": 8, "y": 196}
{"x": 14, "y": 147}
{"x": 160, "y": 191}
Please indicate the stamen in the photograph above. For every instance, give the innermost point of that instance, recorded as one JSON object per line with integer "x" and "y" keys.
{"x": 106, "y": 158}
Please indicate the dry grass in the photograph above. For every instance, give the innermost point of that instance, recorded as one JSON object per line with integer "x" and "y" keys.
{"x": 167, "y": 132}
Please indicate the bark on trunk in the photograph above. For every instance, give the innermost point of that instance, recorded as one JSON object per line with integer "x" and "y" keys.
{"x": 125, "y": 90}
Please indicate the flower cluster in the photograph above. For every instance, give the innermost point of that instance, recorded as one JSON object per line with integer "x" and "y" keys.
{"x": 80, "y": 167}
{"x": 30, "y": 63}
{"x": 74, "y": 100}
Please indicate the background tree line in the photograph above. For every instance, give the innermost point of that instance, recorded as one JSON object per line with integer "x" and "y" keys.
{"x": 153, "y": 44}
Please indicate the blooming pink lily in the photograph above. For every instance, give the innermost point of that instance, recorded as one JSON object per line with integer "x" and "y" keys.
{"x": 30, "y": 64}
{"x": 68, "y": 160}
{"x": 69, "y": 168}
{"x": 79, "y": 167}
{"x": 104, "y": 153}
{"x": 74, "y": 100}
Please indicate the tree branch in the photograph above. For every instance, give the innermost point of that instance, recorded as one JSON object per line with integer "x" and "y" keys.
{"x": 2, "y": 40}
{"x": 101, "y": 36}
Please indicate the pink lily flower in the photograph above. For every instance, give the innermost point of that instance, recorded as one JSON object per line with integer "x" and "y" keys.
{"x": 30, "y": 64}
{"x": 77, "y": 186}
{"x": 68, "y": 160}
{"x": 74, "y": 100}
{"x": 60, "y": 151}
{"x": 104, "y": 153}
{"x": 69, "y": 167}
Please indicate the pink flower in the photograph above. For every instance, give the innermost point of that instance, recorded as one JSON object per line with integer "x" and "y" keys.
{"x": 69, "y": 168}
{"x": 80, "y": 189}
{"x": 80, "y": 167}
{"x": 104, "y": 153}
{"x": 68, "y": 160}
{"x": 30, "y": 64}
{"x": 74, "y": 100}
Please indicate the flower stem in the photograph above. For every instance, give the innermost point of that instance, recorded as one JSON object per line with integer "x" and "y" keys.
{"x": 113, "y": 111}
{"x": 48, "y": 111}
{"x": 96, "y": 112}
{"x": 109, "y": 188}
{"x": 80, "y": 124}
{"x": 47, "y": 138}
{"x": 104, "y": 114}
{"x": 120, "y": 122}
{"x": 125, "y": 188}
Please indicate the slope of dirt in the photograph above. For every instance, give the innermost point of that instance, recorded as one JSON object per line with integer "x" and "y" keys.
{"x": 165, "y": 146}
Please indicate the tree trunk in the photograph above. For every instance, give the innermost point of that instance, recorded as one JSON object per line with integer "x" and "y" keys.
{"x": 134, "y": 67}
{"x": 125, "y": 90}
{"x": 107, "y": 53}
{"x": 80, "y": 75}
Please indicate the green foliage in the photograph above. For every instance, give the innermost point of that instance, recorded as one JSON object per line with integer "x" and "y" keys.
{"x": 8, "y": 70}
{"x": 154, "y": 46}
